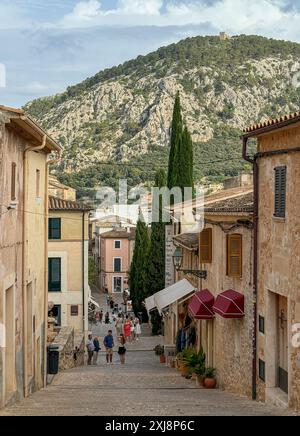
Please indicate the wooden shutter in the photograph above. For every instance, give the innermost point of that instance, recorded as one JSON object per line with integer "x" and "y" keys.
{"x": 13, "y": 181}
{"x": 54, "y": 275}
{"x": 234, "y": 255}
{"x": 117, "y": 264}
{"x": 280, "y": 192}
{"x": 54, "y": 230}
{"x": 206, "y": 246}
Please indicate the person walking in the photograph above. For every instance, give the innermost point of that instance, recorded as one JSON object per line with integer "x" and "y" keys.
{"x": 96, "y": 351}
{"x": 101, "y": 316}
{"x": 119, "y": 325}
{"x": 127, "y": 328}
{"x": 122, "y": 349}
{"x": 132, "y": 329}
{"x": 138, "y": 330}
{"x": 109, "y": 345}
{"x": 107, "y": 318}
{"x": 90, "y": 349}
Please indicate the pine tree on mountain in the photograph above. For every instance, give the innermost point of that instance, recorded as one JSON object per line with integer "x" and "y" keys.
{"x": 156, "y": 265}
{"x": 138, "y": 270}
{"x": 176, "y": 132}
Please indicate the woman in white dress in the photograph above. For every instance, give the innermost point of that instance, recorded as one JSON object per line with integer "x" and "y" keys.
{"x": 138, "y": 330}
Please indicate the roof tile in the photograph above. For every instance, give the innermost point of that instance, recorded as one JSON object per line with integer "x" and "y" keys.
{"x": 59, "y": 204}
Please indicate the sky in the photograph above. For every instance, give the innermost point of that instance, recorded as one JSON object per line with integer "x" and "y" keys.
{"x": 47, "y": 45}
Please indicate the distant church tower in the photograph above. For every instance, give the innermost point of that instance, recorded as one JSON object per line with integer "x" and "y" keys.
{"x": 224, "y": 36}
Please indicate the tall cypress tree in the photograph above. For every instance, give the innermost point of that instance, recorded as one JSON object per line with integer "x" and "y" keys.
{"x": 176, "y": 133}
{"x": 156, "y": 265}
{"x": 138, "y": 270}
{"x": 181, "y": 159}
{"x": 183, "y": 162}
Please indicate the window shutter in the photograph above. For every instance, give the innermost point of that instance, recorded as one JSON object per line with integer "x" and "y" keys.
{"x": 117, "y": 264}
{"x": 206, "y": 246}
{"x": 280, "y": 192}
{"x": 54, "y": 275}
{"x": 13, "y": 195}
{"x": 54, "y": 230}
{"x": 234, "y": 255}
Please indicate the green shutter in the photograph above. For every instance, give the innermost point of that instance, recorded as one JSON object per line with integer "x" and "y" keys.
{"x": 54, "y": 275}
{"x": 280, "y": 192}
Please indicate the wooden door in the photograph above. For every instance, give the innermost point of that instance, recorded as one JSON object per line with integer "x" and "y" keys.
{"x": 283, "y": 366}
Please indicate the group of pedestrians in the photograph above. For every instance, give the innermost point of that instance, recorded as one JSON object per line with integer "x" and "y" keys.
{"x": 130, "y": 327}
{"x": 93, "y": 348}
{"x": 128, "y": 330}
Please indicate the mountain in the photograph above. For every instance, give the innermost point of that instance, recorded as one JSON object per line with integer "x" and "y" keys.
{"x": 123, "y": 114}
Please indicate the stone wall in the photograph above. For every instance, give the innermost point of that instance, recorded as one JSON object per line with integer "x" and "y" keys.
{"x": 279, "y": 252}
{"x": 67, "y": 341}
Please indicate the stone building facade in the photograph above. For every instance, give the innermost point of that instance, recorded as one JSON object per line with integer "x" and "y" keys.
{"x": 220, "y": 304}
{"x": 277, "y": 189}
{"x": 68, "y": 255}
{"x": 226, "y": 256}
{"x": 116, "y": 254}
{"x": 24, "y": 150}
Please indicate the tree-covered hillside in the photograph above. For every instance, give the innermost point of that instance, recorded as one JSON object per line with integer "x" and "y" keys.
{"x": 123, "y": 114}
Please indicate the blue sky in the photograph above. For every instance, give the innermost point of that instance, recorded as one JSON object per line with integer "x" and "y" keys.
{"x": 47, "y": 45}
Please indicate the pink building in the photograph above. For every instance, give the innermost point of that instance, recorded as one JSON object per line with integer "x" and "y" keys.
{"x": 116, "y": 255}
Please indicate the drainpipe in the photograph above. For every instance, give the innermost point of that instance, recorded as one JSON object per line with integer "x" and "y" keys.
{"x": 255, "y": 263}
{"x": 83, "y": 273}
{"x": 46, "y": 215}
{"x": 24, "y": 257}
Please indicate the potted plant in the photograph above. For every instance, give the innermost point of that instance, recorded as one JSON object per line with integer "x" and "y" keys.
{"x": 189, "y": 359}
{"x": 160, "y": 351}
{"x": 200, "y": 375}
{"x": 200, "y": 368}
{"x": 210, "y": 381}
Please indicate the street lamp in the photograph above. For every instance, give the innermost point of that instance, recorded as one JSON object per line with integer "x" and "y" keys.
{"x": 178, "y": 260}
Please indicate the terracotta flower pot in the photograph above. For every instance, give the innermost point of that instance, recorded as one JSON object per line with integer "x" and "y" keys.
{"x": 200, "y": 381}
{"x": 210, "y": 383}
{"x": 184, "y": 371}
{"x": 172, "y": 364}
{"x": 162, "y": 358}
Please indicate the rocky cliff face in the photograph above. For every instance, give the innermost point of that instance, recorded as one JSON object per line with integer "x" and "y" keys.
{"x": 224, "y": 85}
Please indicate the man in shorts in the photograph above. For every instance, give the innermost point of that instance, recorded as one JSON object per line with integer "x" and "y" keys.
{"x": 109, "y": 345}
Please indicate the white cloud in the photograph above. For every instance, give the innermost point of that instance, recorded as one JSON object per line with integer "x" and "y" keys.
{"x": 140, "y": 7}
{"x": 269, "y": 17}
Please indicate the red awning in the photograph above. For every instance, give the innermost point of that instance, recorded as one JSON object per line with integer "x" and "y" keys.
{"x": 230, "y": 305}
{"x": 201, "y": 306}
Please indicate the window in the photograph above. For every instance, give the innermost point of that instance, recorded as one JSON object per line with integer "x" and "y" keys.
{"x": 54, "y": 274}
{"x": 117, "y": 245}
{"x": 13, "y": 195}
{"x": 117, "y": 285}
{"x": 117, "y": 264}
{"x": 38, "y": 183}
{"x": 206, "y": 246}
{"x": 261, "y": 324}
{"x": 234, "y": 255}
{"x": 54, "y": 231}
{"x": 262, "y": 370}
{"x": 74, "y": 310}
{"x": 280, "y": 192}
{"x": 55, "y": 313}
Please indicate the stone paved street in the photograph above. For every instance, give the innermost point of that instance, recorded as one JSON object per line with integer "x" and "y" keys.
{"x": 142, "y": 387}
